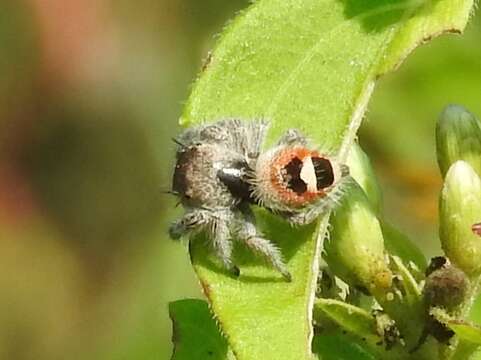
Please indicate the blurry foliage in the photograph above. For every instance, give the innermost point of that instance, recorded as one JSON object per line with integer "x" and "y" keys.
{"x": 86, "y": 157}
{"x": 101, "y": 162}
{"x": 86, "y": 268}
{"x": 398, "y": 133}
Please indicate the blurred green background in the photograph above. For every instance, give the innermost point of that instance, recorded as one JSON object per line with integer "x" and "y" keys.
{"x": 90, "y": 94}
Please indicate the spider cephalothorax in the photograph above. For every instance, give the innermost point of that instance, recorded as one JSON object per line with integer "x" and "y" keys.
{"x": 220, "y": 171}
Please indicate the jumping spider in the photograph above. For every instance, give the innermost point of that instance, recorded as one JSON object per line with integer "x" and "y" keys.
{"x": 221, "y": 171}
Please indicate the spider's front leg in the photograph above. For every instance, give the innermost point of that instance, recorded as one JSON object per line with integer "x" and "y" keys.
{"x": 193, "y": 220}
{"x": 222, "y": 241}
{"x": 215, "y": 223}
{"x": 248, "y": 234}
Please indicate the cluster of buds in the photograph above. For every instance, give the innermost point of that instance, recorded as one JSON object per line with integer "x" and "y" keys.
{"x": 459, "y": 157}
{"x": 369, "y": 256}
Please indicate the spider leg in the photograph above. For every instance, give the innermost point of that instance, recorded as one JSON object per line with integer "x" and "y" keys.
{"x": 292, "y": 137}
{"x": 322, "y": 207}
{"x": 308, "y": 216}
{"x": 188, "y": 138}
{"x": 248, "y": 234}
{"x": 223, "y": 243}
{"x": 214, "y": 133}
{"x": 215, "y": 223}
{"x": 191, "y": 221}
{"x": 254, "y": 133}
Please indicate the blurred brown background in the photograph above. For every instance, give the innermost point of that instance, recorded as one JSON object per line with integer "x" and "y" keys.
{"x": 90, "y": 94}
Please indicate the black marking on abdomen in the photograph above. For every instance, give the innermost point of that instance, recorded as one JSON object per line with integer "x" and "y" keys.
{"x": 324, "y": 172}
{"x": 293, "y": 176}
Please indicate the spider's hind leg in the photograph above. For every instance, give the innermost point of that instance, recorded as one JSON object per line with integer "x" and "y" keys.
{"x": 306, "y": 217}
{"x": 292, "y": 137}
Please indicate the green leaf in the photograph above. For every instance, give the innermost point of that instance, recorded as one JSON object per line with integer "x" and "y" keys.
{"x": 468, "y": 335}
{"x": 259, "y": 309}
{"x": 475, "y": 312}
{"x": 361, "y": 170}
{"x": 400, "y": 245}
{"x": 466, "y": 351}
{"x": 351, "y": 318}
{"x": 340, "y": 347}
{"x": 412, "y": 293}
{"x": 309, "y": 65}
{"x": 466, "y": 331}
{"x": 195, "y": 333}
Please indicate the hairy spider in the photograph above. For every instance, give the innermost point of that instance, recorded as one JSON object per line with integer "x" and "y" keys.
{"x": 220, "y": 171}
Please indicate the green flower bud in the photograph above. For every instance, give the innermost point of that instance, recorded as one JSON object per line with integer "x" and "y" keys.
{"x": 361, "y": 170}
{"x": 460, "y": 208}
{"x": 458, "y": 137}
{"x": 355, "y": 250}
